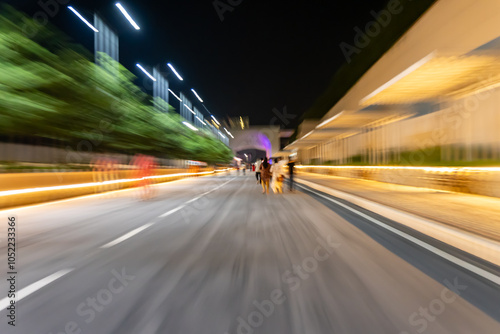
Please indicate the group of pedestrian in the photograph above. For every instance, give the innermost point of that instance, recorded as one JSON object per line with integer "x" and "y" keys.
{"x": 265, "y": 173}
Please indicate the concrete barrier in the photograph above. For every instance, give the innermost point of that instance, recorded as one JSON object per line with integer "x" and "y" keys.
{"x": 473, "y": 180}
{"x": 32, "y": 188}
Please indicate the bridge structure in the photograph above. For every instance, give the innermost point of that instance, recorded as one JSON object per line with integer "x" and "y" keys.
{"x": 256, "y": 142}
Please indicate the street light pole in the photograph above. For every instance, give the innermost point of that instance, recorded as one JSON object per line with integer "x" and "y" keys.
{"x": 127, "y": 16}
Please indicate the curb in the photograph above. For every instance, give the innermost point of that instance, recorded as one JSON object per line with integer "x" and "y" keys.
{"x": 481, "y": 247}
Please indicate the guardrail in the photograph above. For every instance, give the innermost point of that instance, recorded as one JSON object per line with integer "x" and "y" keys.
{"x": 473, "y": 180}
{"x": 26, "y": 189}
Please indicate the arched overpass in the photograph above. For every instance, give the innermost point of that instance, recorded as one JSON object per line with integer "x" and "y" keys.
{"x": 256, "y": 138}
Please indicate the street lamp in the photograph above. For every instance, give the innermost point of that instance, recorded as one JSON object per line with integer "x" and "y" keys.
{"x": 199, "y": 98}
{"x": 189, "y": 109}
{"x": 229, "y": 133}
{"x": 175, "y": 72}
{"x": 183, "y": 98}
{"x": 108, "y": 35}
{"x": 146, "y": 72}
{"x": 127, "y": 16}
{"x": 178, "y": 98}
{"x": 216, "y": 121}
{"x": 201, "y": 120}
{"x": 82, "y": 18}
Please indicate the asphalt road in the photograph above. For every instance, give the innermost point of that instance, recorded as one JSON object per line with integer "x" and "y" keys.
{"x": 215, "y": 255}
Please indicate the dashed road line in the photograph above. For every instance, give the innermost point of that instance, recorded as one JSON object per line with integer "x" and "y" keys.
{"x": 168, "y": 213}
{"x": 127, "y": 235}
{"x": 51, "y": 278}
{"x": 35, "y": 287}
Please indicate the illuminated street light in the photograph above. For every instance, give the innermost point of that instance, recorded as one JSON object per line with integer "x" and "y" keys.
{"x": 146, "y": 72}
{"x": 201, "y": 120}
{"x": 216, "y": 121}
{"x": 127, "y": 16}
{"x": 178, "y": 98}
{"x": 82, "y": 18}
{"x": 229, "y": 133}
{"x": 199, "y": 98}
{"x": 190, "y": 126}
{"x": 175, "y": 72}
{"x": 189, "y": 109}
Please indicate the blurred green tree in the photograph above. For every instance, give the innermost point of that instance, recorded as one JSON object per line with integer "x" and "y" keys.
{"x": 49, "y": 88}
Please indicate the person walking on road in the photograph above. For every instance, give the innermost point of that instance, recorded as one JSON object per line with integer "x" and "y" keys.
{"x": 291, "y": 171}
{"x": 265, "y": 175}
{"x": 257, "y": 170}
{"x": 277, "y": 176}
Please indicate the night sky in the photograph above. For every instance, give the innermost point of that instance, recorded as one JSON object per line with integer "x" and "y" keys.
{"x": 263, "y": 55}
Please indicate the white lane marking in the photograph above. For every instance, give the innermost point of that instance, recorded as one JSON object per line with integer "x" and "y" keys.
{"x": 168, "y": 213}
{"x": 139, "y": 229}
{"x": 49, "y": 279}
{"x": 126, "y": 236}
{"x": 194, "y": 199}
{"x": 208, "y": 192}
{"x": 466, "y": 265}
{"x": 34, "y": 287}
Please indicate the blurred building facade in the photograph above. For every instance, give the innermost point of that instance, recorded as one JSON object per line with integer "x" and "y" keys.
{"x": 433, "y": 97}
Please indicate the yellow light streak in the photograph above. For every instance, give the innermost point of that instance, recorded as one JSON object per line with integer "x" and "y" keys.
{"x": 428, "y": 169}
{"x": 91, "y": 184}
